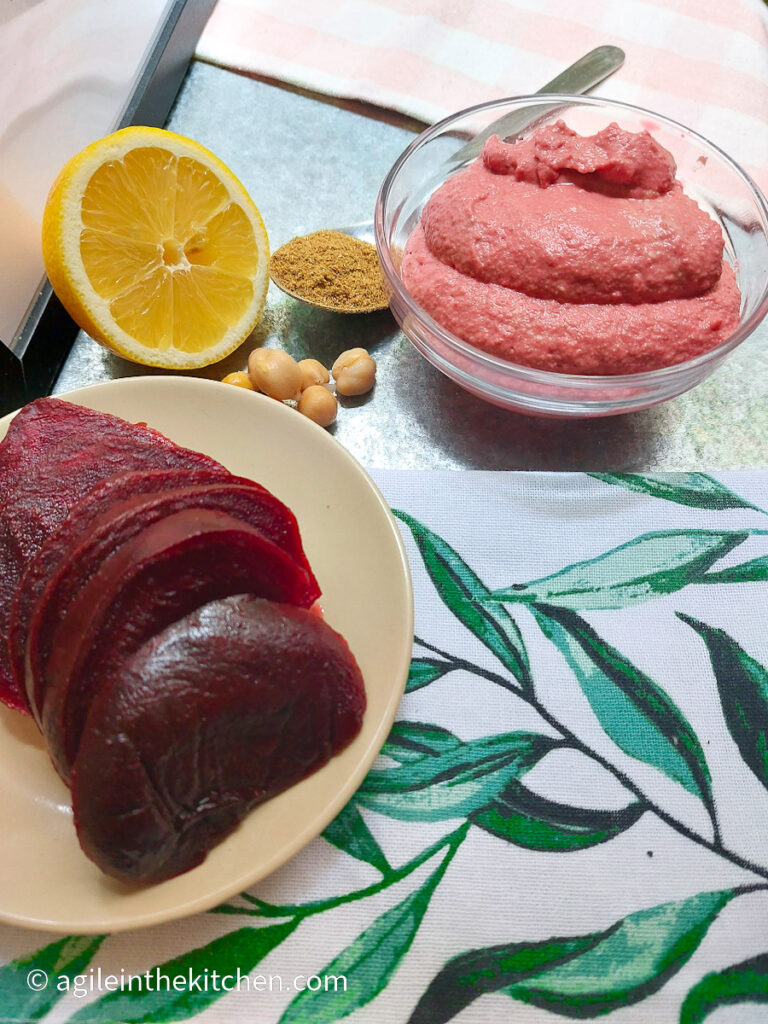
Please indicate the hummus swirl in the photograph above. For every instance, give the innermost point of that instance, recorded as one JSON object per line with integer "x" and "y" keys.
{"x": 574, "y": 254}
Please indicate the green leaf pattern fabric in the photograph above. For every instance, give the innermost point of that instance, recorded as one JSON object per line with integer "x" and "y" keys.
{"x": 569, "y": 819}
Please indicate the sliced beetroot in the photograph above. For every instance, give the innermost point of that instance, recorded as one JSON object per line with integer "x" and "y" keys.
{"x": 106, "y": 518}
{"x": 53, "y": 454}
{"x": 169, "y": 569}
{"x": 223, "y": 710}
{"x": 108, "y": 499}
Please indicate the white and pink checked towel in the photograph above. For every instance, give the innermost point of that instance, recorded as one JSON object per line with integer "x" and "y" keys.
{"x": 702, "y": 62}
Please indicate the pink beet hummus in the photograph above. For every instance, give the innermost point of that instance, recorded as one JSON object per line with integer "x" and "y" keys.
{"x": 574, "y": 254}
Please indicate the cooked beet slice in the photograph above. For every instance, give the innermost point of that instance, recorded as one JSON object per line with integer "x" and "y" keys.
{"x": 169, "y": 569}
{"x": 107, "y": 518}
{"x": 53, "y": 454}
{"x": 223, "y": 710}
{"x": 102, "y": 504}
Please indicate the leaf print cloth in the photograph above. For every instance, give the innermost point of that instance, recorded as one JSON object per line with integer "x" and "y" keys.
{"x": 569, "y": 819}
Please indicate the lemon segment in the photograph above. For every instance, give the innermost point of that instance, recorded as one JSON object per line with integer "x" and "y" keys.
{"x": 200, "y": 196}
{"x": 116, "y": 264}
{"x": 155, "y": 249}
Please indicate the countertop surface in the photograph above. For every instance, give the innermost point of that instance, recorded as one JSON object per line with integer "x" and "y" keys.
{"x": 311, "y": 164}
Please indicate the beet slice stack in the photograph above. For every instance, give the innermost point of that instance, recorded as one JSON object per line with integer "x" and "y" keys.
{"x": 154, "y": 616}
{"x": 104, "y": 503}
{"x": 53, "y": 454}
{"x": 97, "y": 527}
{"x": 166, "y": 571}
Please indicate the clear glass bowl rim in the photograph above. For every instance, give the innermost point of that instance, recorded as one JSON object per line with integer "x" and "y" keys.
{"x": 528, "y": 373}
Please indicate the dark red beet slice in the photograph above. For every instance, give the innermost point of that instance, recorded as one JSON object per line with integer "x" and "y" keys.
{"x": 166, "y": 571}
{"x": 63, "y": 567}
{"x": 223, "y": 710}
{"x": 53, "y": 454}
{"x": 101, "y": 504}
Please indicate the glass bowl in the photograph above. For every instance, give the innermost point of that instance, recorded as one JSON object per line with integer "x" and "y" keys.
{"x": 707, "y": 174}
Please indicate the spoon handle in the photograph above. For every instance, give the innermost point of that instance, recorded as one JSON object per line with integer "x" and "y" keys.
{"x": 588, "y": 71}
{"x": 579, "y": 78}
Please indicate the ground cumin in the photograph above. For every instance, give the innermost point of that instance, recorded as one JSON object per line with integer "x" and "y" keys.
{"x": 331, "y": 269}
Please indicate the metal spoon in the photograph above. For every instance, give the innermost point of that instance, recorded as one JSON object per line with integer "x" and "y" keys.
{"x": 587, "y": 72}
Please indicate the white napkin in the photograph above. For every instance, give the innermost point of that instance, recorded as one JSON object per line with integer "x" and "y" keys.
{"x": 571, "y": 816}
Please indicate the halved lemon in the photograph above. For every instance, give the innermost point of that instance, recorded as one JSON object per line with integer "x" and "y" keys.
{"x": 156, "y": 249}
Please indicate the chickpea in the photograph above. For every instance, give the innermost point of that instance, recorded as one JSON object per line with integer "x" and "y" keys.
{"x": 319, "y": 404}
{"x": 312, "y": 372}
{"x": 274, "y": 372}
{"x": 240, "y": 379}
{"x": 354, "y": 372}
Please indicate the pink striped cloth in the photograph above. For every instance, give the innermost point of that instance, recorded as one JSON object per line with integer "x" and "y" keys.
{"x": 702, "y": 62}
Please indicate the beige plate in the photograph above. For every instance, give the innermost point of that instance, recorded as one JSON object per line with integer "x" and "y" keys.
{"x": 355, "y": 549}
